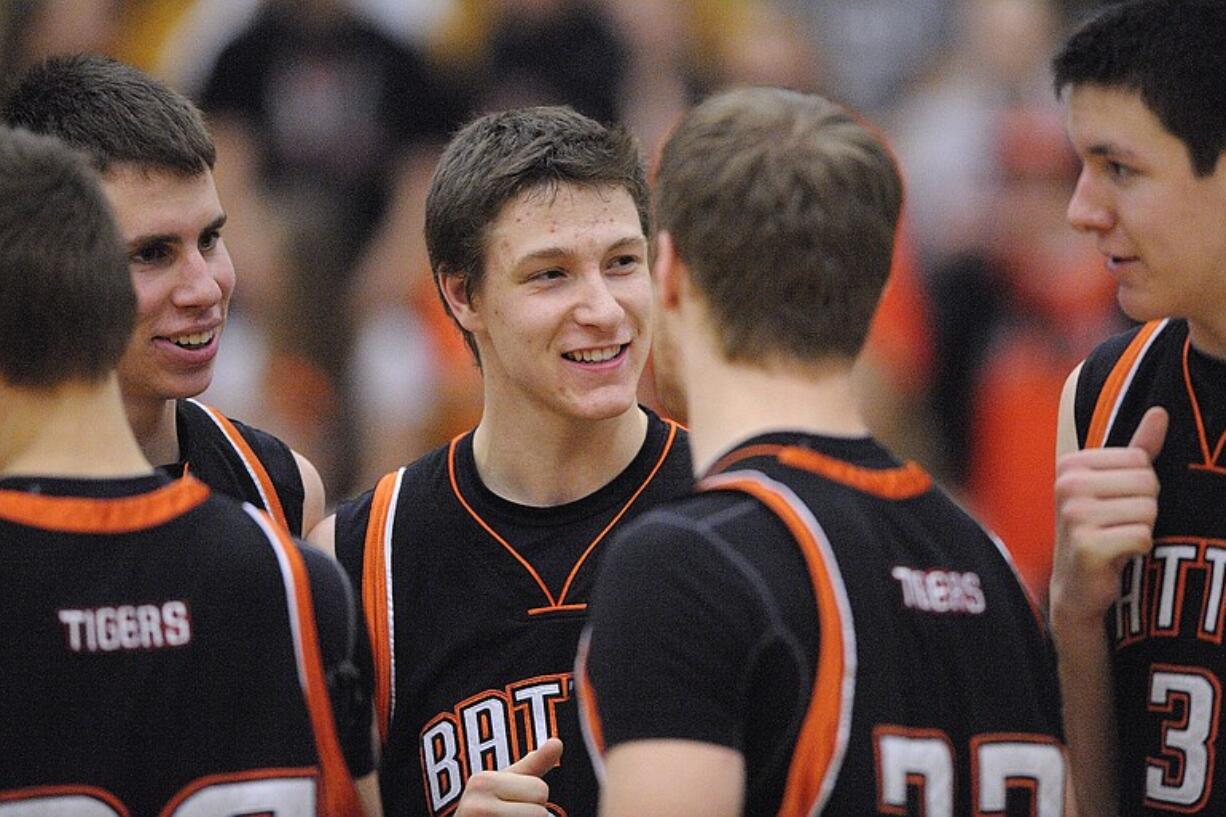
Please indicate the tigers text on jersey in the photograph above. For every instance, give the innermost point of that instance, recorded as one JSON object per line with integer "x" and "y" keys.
{"x": 160, "y": 655}
{"x": 474, "y": 606}
{"x": 1168, "y": 622}
{"x": 834, "y": 617}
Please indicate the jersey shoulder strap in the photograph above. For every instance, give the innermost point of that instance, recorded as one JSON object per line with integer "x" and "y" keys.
{"x": 254, "y": 467}
{"x": 1109, "y": 394}
{"x": 377, "y": 603}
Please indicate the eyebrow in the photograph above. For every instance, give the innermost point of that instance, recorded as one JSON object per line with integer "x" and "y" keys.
{"x": 172, "y": 238}
{"x": 1109, "y": 149}
{"x": 546, "y": 253}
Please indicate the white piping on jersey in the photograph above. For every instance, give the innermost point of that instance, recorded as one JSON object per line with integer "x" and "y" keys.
{"x": 1001, "y": 547}
{"x": 388, "y": 527}
{"x": 287, "y": 577}
{"x": 846, "y": 623}
{"x": 255, "y": 480}
{"x": 585, "y": 728}
{"x": 1132, "y": 371}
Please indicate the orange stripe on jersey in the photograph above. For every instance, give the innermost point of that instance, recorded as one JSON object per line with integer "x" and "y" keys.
{"x": 455, "y": 489}
{"x": 1210, "y": 458}
{"x": 557, "y": 604}
{"x": 337, "y": 795}
{"x": 77, "y": 514}
{"x": 589, "y": 710}
{"x": 1117, "y": 383}
{"x": 748, "y": 452}
{"x": 39, "y": 792}
{"x": 823, "y": 734}
{"x": 255, "y": 468}
{"x": 667, "y": 447}
{"x": 375, "y": 602}
{"x": 905, "y": 482}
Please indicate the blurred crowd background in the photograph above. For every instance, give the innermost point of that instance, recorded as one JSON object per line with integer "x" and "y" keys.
{"x": 329, "y": 115}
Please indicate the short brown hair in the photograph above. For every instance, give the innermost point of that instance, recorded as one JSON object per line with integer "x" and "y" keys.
{"x": 784, "y": 207}
{"x": 496, "y": 157}
{"x": 1172, "y": 53}
{"x": 113, "y": 113}
{"x": 66, "y": 299}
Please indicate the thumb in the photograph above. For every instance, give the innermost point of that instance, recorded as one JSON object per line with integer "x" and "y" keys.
{"x": 1151, "y": 432}
{"x": 539, "y": 760}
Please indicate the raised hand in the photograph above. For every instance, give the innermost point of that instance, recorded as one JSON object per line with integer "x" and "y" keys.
{"x": 1106, "y": 504}
{"x": 516, "y": 791}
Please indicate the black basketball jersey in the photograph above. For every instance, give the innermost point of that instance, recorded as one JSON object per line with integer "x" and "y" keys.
{"x": 239, "y": 461}
{"x": 474, "y": 606}
{"x": 1167, "y": 625}
{"x": 826, "y": 611}
{"x": 160, "y": 657}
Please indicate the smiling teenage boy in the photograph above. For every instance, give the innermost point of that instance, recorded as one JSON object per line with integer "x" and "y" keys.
{"x": 156, "y": 159}
{"x": 476, "y": 561}
{"x": 1137, "y": 590}
{"x": 165, "y": 650}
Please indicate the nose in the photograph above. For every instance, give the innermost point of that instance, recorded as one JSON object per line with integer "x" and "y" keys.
{"x": 198, "y": 286}
{"x": 1088, "y": 210}
{"x": 598, "y": 306}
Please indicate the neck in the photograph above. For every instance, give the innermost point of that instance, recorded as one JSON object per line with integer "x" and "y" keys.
{"x": 730, "y": 402}
{"x": 555, "y": 461}
{"x": 153, "y": 423}
{"x": 72, "y": 430}
{"x": 1208, "y": 340}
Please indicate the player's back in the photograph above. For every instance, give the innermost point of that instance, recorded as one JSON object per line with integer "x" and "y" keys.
{"x": 159, "y": 655}
{"x": 875, "y": 650}
{"x": 929, "y": 650}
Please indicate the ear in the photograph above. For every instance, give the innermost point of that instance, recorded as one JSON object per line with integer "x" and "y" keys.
{"x": 671, "y": 274}
{"x": 453, "y": 287}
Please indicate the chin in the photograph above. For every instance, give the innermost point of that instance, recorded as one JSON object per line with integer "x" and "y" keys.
{"x": 1141, "y": 309}
{"x": 181, "y": 388}
{"x": 606, "y": 408}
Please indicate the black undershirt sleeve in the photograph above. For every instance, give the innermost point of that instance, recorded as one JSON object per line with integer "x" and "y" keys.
{"x": 673, "y": 625}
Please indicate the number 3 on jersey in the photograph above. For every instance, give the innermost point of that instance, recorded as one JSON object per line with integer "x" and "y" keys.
{"x": 1179, "y": 777}
{"x": 924, "y": 758}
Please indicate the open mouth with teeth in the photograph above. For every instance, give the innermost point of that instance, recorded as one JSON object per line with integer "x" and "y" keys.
{"x": 197, "y": 340}
{"x": 602, "y": 354}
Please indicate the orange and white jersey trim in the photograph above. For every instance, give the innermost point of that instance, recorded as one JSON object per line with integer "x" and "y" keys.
{"x": 255, "y": 469}
{"x": 822, "y": 742}
{"x": 1115, "y": 389}
{"x": 337, "y": 795}
{"x": 377, "y": 598}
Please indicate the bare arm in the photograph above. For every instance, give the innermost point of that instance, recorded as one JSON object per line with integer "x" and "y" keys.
{"x": 323, "y": 536}
{"x": 1106, "y": 503}
{"x": 312, "y": 493}
{"x": 368, "y": 794}
{"x": 672, "y": 778}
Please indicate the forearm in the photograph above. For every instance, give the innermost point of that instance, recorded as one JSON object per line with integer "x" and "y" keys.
{"x": 672, "y": 778}
{"x": 1087, "y": 686}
